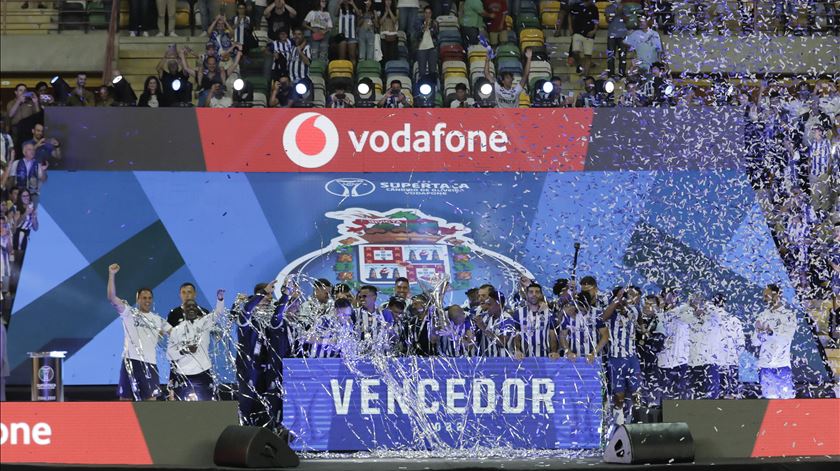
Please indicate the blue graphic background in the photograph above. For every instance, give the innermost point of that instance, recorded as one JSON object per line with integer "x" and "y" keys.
{"x": 703, "y": 230}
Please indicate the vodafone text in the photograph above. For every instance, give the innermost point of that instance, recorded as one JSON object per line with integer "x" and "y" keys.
{"x": 452, "y": 396}
{"x": 21, "y": 433}
{"x": 438, "y": 140}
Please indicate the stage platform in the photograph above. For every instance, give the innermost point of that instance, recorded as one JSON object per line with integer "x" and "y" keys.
{"x": 566, "y": 464}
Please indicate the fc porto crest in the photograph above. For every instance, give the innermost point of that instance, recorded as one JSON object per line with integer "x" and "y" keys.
{"x": 376, "y": 248}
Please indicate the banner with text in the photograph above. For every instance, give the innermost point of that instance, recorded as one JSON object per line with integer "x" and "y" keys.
{"x": 419, "y": 403}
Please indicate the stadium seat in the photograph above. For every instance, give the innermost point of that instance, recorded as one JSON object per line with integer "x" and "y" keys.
{"x": 72, "y": 15}
{"x": 317, "y": 67}
{"x": 477, "y": 70}
{"x": 476, "y": 53}
{"x": 509, "y": 64}
{"x": 531, "y": 37}
{"x": 449, "y": 37}
{"x": 452, "y": 52}
{"x": 340, "y": 68}
{"x": 450, "y": 83}
{"x": 98, "y": 15}
{"x": 527, "y": 21}
{"x": 508, "y": 50}
{"x": 368, "y": 68}
{"x": 398, "y": 66}
{"x": 524, "y": 7}
{"x": 454, "y": 68}
{"x": 447, "y": 22}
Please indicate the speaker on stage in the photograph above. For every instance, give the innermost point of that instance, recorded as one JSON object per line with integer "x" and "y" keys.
{"x": 253, "y": 447}
{"x": 650, "y": 443}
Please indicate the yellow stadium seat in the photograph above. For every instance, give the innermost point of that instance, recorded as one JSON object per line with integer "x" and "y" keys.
{"x": 524, "y": 100}
{"x": 340, "y": 68}
{"x": 548, "y": 19}
{"x": 550, "y": 6}
{"x": 531, "y": 34}
{"x": 526, "y": 44}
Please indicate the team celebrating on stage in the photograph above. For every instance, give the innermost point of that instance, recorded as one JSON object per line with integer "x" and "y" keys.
{"x": 652, "y": 347}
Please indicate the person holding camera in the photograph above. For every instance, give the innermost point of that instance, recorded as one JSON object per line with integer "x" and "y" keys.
{"x": 23, "y": 112}
{"x": 340, "y": 99}
{"x": 394, "y": 97}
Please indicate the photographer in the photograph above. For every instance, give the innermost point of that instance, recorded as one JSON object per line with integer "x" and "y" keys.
{"x": 23, "y": 112}
{"x": 47, "y": 149}
{"x": 394, "y": 97}
{"x": 340, "y": 99}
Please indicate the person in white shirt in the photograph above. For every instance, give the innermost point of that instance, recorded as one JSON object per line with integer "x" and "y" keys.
{"x": 703, "y": 334}
{"x": 461, "y": 99}
{"x": 774, "y": 329}
{"x": 731, "y": 344}
{"x": 507, "y": 95}
{"x": 143, "y": 329}
{"x": 673, "y": 358}
{"x": 189, "y": 351}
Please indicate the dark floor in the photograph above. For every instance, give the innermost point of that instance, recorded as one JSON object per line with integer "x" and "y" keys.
{"x": 408, "y": 464}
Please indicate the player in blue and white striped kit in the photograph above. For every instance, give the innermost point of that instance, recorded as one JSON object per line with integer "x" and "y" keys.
{"x": 457, "y": 337}
{"x": 373, "y": 323}
{"x": 580, "y": 333}
{"x": 620, "y": 317}
{"x": 533, "y": 322}
{"x": 335, "y": 336}
{"x": 494, "y": 326}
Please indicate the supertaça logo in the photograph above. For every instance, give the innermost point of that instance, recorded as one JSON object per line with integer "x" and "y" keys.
{"x": 46, "y": 374}
{"x": 350, "y": 187}
{"x": 310, "y": 140}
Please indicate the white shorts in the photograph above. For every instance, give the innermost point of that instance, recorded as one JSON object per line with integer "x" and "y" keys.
{"x": 580, "y": 41}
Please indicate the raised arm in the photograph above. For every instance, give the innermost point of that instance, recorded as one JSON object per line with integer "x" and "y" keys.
{"x": 524, "y": 82}
{"x": 610, "y": 310}
{"x": 115, "y": 301}
{"x": 487, "y": 69}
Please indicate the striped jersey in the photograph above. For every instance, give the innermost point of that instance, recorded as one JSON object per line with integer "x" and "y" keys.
{"x": 374, "y": 329}
{"x": 488, "y": 346}
{"x": 334, "y": 338}
{"x": 533, "y": 329}
{"x": 582, "y": 332}
{"x": 622, "y": 327}
{"x": 241, "y": 25}
{"x": 820, "y": 155}
{"x": 7, "y": 145}
{"x": 347, "y": 22}
{"x": 297, "y": 68}
{"x": 454, "y": 340}
{"x": 284, "y": 48}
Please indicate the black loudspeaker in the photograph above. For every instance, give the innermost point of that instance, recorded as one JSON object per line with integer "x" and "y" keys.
{"x": 650, "y": 443}
{"x": 253, "y": 447}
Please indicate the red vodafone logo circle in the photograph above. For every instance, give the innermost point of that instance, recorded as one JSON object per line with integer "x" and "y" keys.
{"x": 310, "y": 140}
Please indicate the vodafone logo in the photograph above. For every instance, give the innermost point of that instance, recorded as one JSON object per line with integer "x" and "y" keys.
{"x": 310, "y": 140}
{"x": 22, "y": 433}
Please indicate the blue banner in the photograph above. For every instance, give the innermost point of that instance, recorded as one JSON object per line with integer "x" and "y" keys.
{"x": 421, "y": 403}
